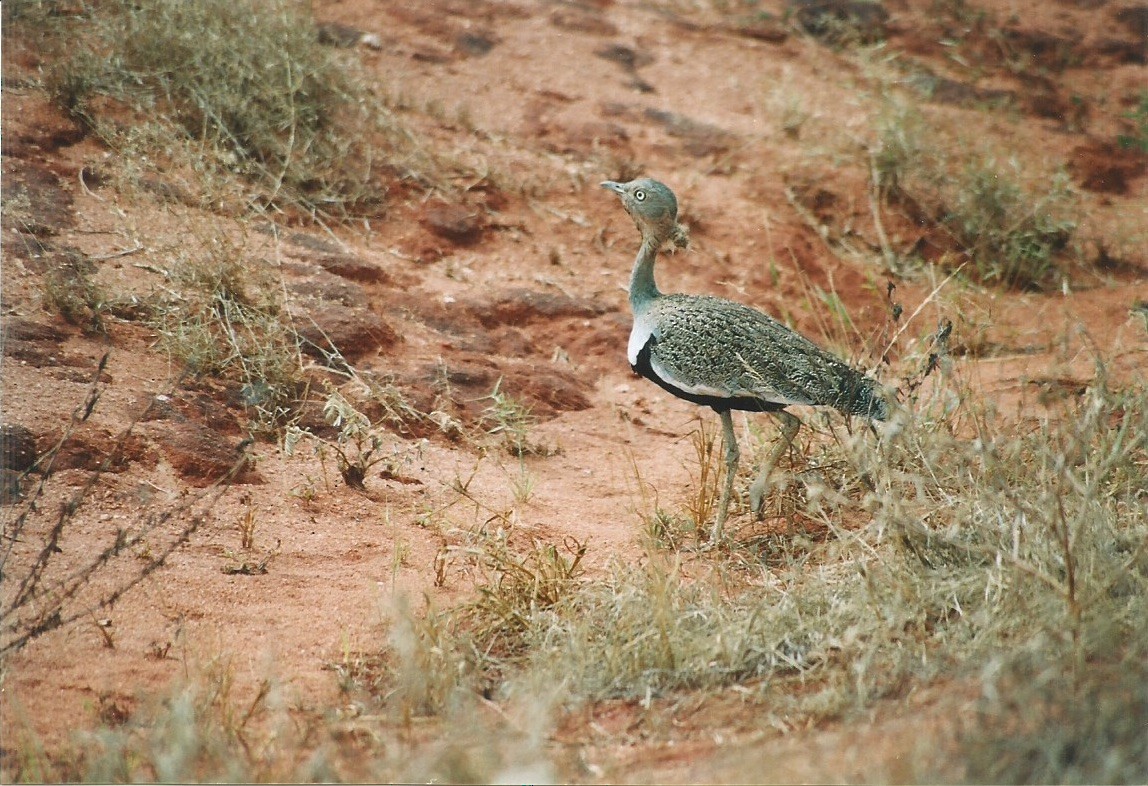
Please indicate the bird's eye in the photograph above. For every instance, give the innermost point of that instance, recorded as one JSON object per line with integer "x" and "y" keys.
{"x": 640, "y": 195}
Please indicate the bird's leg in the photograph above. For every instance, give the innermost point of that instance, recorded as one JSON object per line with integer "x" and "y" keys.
{"x": 789, "y": 426}
{"x": 732, "y": 454}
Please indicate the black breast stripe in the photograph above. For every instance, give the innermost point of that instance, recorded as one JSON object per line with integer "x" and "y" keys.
{"x": 719, "y": 403}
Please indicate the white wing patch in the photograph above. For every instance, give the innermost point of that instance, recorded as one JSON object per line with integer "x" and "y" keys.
{"x": 639, "y": 334}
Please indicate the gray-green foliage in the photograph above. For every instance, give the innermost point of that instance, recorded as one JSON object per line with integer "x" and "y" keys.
{"x": 248, "y": 84}
{"x": 1012, "y": 236}
{"x": 358, "y": 446}
{"x": 223, "y": 316}
{"x": 1011, "y": 232}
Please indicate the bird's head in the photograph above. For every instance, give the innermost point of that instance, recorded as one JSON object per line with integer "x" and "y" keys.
{"x": 654, "y": 209}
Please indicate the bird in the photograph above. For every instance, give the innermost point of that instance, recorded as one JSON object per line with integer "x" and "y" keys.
{"x": 726, "y": 355}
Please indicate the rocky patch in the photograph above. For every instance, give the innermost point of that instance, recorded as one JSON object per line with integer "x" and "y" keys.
{"x": 355, "y": 332}
{"x": 524, "y": 306}
{"x": 582, "y": 21}
{"x": 840, "y": 20}
{"x": 323, "y": 286}
{"x": 354, "y": 268}
{"x": 454, "y": 222}
{"x": 200, "y": 404}
{"x": 31, "y": 341}
{"x": 17, "y": 447}
{"x": 96, "y": 449}
{"x": 546, "y": 388}
{"x": 1106, "y": 168}
{"x": 201, "y": 457}
{"x": 34, "y": 199}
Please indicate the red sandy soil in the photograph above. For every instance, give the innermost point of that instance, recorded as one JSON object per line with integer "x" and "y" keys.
{"x": 523, "y": 278}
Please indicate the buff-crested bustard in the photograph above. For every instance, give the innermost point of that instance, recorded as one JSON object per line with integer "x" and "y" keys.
{"x": 725, "y": 355}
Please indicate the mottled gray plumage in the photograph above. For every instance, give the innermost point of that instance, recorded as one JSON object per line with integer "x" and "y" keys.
{"x": 713, "y": 342}
{"x": 723, "y": 354}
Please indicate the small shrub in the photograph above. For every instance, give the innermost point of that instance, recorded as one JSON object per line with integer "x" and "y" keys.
{"x": 46, "y": 595}
{"x": 358, "y": 446}
{"x": 222, "y": 317}
{"x": 1011, "y": 235}
{"x": 246, "y": 88}
{"x": 70, "y": 291}
{"x": 1138, "y": 139}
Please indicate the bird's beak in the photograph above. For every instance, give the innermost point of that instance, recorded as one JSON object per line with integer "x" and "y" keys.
{"x": 612, "y": 186}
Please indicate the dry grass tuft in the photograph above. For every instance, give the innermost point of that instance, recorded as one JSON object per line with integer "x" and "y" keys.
{"x": 70, "y": 291}
{"x": 224, "y": 89}
{"x": 511, "y": 420}
{"x": 983, "y": 553}
{"x": 517, "y": 589}
{"x": 221, "y": 314}
{"x": 1039, "y": 723}
{"x": 1013, "y": 232}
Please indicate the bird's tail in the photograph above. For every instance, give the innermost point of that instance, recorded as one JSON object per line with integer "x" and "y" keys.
{"x": 866, "y": 397}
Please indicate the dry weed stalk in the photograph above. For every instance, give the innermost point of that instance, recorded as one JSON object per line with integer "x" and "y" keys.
{"x": 45, "y": 597}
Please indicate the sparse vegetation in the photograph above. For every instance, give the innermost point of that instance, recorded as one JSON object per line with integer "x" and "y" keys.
{"x": 70, "y": 291}
{"x": 703, "y": 502}
{"x": 1138, "y": 119}
{"x": 1011, "y": 233}
{"x": 1041, "y": 723}
{"x": 196, "y": 731}
{"x": 42, "y": 594}
{"x": 1011, "y": 236}
{"x": 222, "y": 315}
{"x": 508, "y": 418}
{"x": 523, "y": 483}
{"x": 516, "y": 588}
{"x": 985, "y": 555}
{"x": 243, "y": 88}
{"x": 359, "y": 446}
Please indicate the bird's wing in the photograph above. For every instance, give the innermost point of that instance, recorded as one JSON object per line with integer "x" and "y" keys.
{"x": 715, "y": 347}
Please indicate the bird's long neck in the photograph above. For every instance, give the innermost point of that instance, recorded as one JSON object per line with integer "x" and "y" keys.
{"x": 643, "y": 289}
